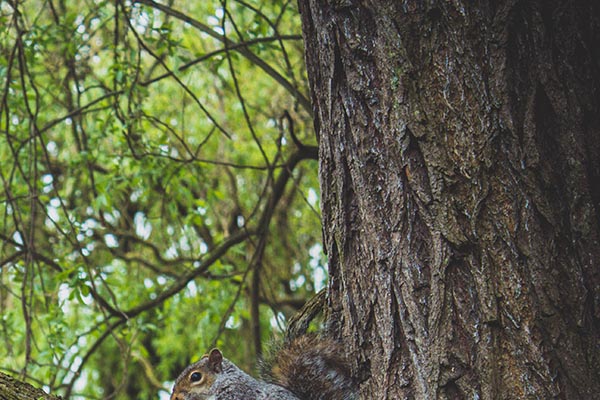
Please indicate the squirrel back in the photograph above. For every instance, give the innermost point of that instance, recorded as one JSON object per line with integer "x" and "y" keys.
{"x": 307, "y": 368}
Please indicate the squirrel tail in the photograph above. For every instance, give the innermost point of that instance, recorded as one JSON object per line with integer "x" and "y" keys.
{"x": 313, "y": 368}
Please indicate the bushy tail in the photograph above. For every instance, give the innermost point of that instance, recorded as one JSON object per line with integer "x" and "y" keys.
{"x": 313, "y": 368}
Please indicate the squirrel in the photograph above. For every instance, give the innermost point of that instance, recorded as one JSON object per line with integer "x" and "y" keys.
{"x": 307, "y": 368}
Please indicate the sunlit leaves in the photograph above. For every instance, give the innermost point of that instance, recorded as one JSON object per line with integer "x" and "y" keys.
{"x": 139, "y": 148}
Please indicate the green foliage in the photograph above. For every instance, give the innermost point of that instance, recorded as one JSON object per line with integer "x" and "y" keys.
{"x": 140, "y": 149}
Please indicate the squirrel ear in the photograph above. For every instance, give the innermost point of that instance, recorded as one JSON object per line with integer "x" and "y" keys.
{"x": 215, "y": 358}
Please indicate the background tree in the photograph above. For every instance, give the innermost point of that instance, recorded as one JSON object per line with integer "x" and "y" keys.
{"x": 459, "y": 162}
{"x": 159, "y": 188}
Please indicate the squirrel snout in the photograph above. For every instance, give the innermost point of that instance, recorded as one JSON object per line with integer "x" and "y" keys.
{"x": 177, "y": 396}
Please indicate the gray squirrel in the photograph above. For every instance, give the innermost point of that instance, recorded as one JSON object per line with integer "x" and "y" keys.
{"x": 307, "y": 368}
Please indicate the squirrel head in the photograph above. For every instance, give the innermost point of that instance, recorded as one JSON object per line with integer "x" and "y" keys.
{"x": 195, "y": 382}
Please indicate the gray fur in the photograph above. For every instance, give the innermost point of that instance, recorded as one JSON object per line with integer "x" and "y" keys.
{"x": 307, "y": 368}
{"x": 234, "y": 384}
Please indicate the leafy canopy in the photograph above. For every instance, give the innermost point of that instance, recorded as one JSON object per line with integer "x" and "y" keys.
{"x": 159, "y": 189}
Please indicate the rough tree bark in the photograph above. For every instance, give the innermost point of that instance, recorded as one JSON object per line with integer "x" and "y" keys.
{"x": 12, "y": 389}
{"x": 460, "y": 176}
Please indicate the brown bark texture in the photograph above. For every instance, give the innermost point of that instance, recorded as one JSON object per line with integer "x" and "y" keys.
{"x": 459, "y": 147}
{"x": 13, "y": 389}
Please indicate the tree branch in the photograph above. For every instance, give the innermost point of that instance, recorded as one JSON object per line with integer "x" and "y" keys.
{"x": 13, "y": 389}
{"x": 243, "y": 50}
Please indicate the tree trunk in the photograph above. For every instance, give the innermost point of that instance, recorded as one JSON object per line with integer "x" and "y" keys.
{"x": 460, "y": 177}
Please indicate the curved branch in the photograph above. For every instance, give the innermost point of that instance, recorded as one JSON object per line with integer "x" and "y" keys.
{"x": 230, "y": 44}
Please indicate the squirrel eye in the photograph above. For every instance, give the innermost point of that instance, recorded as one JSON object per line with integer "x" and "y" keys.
{"x": 195, "y": 377}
